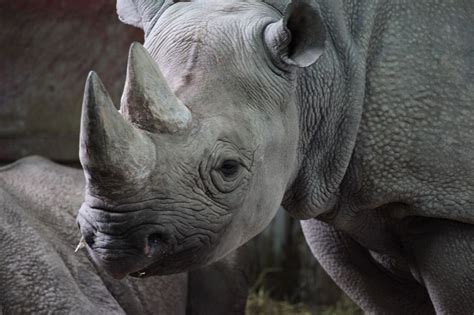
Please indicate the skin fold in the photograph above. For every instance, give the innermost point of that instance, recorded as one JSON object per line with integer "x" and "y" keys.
{"x": 41, "y": 274}
{"x": 355, "y": 116}
{"x": 378, "y": 98}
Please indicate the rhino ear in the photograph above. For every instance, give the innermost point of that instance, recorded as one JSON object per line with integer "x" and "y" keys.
{"x": 138, "y": 12}
{"x": 298, "y": 38}
{"x": 141, "y": 13}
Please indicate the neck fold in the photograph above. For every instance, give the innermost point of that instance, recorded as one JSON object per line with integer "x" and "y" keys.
{"x": 330, "y": 97}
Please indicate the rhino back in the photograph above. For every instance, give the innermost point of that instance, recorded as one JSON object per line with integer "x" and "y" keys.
{"x": 416, "y": 139}
{"x": 39, "y": 271}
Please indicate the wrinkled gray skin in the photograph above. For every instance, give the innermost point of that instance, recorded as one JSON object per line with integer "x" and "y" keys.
{"x": 41, "y": 274}
{"x": 356, "y": 116}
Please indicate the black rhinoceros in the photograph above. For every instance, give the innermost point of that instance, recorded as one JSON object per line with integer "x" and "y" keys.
{"x": 356, "y": 116}
{"x": 41, "y": 274}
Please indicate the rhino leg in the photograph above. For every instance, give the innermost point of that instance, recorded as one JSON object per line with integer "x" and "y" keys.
{"x": 375, "y": 289}
{"x": 223, "y": 287}
{"x": 443, "y": 253}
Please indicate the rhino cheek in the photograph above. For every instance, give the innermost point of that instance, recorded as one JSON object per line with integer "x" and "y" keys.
{"x": 260, "y": 204}
{"x": 275, "y": 168}
{"x": 197, "y": 242}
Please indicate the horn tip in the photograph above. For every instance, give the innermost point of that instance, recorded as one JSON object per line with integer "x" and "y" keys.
{"x": 93, "y": 81}
{"x": 136, "y": 53}
{"x": 92, "y": 76}
{"x": 95, "y": 93}
{"x": 136, "y": 47}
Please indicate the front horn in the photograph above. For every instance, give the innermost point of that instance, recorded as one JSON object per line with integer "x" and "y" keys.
{"x": 112, "y": 152}
{"x": 147, "y": 100}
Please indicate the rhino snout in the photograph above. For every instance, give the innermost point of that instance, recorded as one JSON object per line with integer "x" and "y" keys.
{"x": 123, "y": 248}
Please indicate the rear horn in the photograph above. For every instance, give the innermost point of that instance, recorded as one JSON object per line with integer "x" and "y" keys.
{"x": 147, "y": 100}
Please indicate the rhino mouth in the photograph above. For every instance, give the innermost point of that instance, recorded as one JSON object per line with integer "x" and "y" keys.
{"x": 135, "y": 245}
{"x": 148, "y": 271}
{"x": 143, "y": 273}
{"x": 120, "y": 263}
{"x": 172, "y": 263}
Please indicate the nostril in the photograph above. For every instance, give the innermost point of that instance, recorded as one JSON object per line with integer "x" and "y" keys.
{"x": 89, "y": 239}
{"x": 154, "y": 240}
{"x": 154, "y": 244}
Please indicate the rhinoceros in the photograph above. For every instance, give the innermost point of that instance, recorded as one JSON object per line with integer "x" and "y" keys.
{"x": 356, "y": 116}
{"x": 41, "y": 274}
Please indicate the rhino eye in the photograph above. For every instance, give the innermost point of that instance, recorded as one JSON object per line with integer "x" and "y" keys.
{"x": 229, "y": 168}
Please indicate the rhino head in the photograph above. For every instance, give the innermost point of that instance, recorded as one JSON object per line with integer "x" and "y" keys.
{"x": 204, "y": 147}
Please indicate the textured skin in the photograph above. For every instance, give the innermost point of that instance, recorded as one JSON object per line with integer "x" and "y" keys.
{"x": 412, "y": 159}
{"x": 377, "y": 289}
{"x": 39, "y": 271}
{"x": 168, "y": 207}
{"x": 375, "y": 139}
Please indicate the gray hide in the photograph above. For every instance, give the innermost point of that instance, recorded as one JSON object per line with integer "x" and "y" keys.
{"x": 39, "y": 271}
{"x": 41, "y": 274}
{"x": 356, "y": 116}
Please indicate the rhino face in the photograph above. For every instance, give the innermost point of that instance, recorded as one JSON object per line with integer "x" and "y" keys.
{"x": 198, "y": 159}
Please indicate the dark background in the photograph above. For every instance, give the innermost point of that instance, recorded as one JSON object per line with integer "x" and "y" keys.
{"x": 47, "y": 49}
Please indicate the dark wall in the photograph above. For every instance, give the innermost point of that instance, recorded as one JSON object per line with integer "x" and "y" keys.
{"x": 47, "y": 47}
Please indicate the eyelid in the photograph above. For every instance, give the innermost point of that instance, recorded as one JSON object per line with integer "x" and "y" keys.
{"x": 227, "y": 150}
{"x": 235, "y": 158}
{"x": 233, "y": 162}
{"x": 225, "y": 155}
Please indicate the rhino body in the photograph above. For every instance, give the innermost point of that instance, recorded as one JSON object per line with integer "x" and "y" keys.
{"x": 41, "y": 274}
{"x": 355, "y": 116}
{"x": 39, "y": 271}
{"x": 399, "y": 237}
